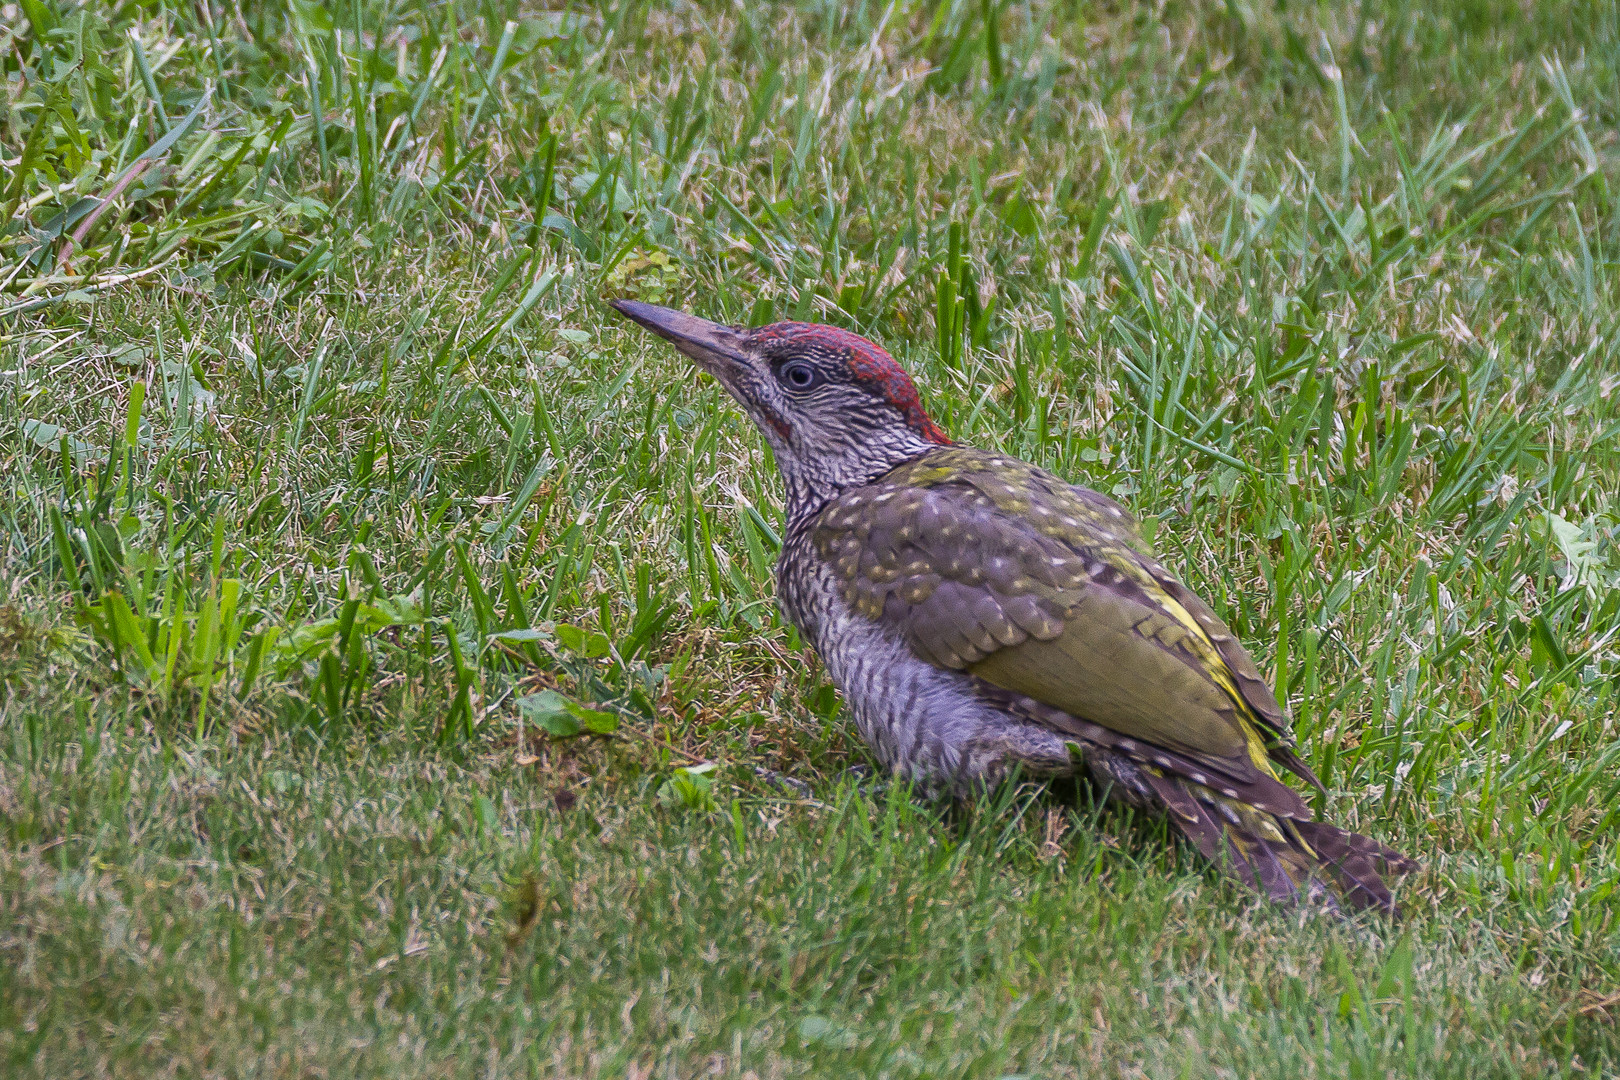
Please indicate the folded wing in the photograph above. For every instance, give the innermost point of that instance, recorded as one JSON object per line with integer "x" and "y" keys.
{"x": 988, "y": 565}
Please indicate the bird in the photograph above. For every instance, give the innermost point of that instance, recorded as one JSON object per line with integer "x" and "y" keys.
{"x": 985, "y": 619}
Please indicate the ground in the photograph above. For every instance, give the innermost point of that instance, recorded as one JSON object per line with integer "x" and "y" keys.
{"x": 391, "y": 680}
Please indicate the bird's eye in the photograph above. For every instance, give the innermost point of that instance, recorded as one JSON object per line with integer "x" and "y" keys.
{"x": 799, "y": 375}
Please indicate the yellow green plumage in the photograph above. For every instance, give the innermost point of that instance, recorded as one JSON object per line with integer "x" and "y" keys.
{"x": 1047, "y": 592}
{"x": 982, "y": 616}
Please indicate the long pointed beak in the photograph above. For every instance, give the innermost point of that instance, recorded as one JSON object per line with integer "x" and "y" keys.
{"x": 717, "y": 349}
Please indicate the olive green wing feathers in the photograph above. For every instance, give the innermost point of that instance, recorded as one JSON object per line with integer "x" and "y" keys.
{"x": 1046, "y": 591}
{"x": 1047, "y": 596}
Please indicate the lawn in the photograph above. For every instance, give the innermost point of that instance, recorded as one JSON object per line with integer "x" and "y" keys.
{"x": 392, "y": 684}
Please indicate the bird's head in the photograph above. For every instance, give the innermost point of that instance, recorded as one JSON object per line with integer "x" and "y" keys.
{"x": 836, "y": 408}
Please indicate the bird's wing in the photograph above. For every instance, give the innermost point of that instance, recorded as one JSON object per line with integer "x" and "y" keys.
{"x": 988, "y": 565}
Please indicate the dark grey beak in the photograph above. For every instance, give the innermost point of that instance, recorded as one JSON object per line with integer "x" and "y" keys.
{"x": 717, "y": 349}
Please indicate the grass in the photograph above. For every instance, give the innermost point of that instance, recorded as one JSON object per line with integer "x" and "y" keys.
{"x": 392, "y": 684}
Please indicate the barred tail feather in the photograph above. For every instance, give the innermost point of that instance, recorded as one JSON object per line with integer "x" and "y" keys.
{"x": 1357, "y": 864}
{"x": 1285, "y": 858}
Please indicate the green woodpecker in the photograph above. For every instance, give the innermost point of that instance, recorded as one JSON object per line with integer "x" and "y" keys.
{"x": 982, "y": 616}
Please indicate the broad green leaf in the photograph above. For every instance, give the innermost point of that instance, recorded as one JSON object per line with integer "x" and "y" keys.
{"x": 399, "y": 610}
{"x": 49, "y": 437}
{"x": 594, "y": 720}
{"x": 550, "y": 711}
{"x": 312, "y": 17}
{"x": 130, "y": 355}
{"x": 521, "y": 635}
{"x": 563, "y": 717}
{"x": 590, "y": 644}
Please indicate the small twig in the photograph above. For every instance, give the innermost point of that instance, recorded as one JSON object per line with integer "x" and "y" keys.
{"x": 136, "y": 170}
{"x": 665, "y": 743}
{"x": 90, "y": 286}
{"x": 152, "y": 154}
{"x": 1602, "y": 1005}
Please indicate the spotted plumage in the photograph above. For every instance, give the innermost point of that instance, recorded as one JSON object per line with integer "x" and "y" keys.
{"x": 982, "y": 616}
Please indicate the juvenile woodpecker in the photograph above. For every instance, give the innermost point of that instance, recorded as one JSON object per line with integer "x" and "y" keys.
{"x": 981, "y": 615}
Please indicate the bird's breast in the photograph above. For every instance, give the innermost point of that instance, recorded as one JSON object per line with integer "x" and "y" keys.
{"x": 921, "y": 721}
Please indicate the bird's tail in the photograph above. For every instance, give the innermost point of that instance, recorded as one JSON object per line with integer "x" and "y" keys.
{"x": 1286, "y": 858}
